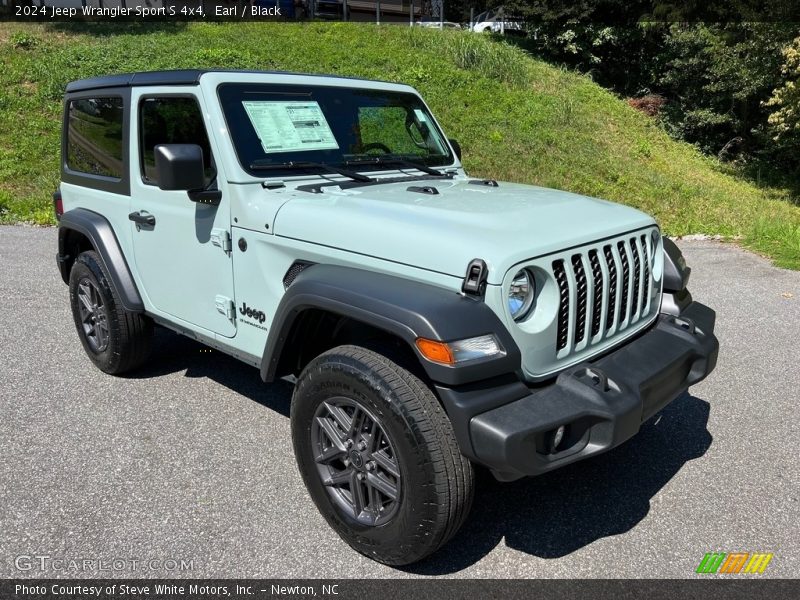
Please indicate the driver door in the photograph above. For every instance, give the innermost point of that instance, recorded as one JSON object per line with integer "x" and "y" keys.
{"x": 182, "y": 256}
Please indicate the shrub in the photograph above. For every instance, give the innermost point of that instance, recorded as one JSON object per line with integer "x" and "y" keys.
{"x": 24, "y": 40}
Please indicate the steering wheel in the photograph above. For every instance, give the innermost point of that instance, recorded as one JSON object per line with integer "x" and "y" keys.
{"x": 376, "y": 146}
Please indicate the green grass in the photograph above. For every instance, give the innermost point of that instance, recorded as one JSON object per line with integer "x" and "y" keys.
{"x": 517, "y": 118}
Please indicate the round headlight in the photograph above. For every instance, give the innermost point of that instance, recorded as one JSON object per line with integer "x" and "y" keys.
{"x": 520, "y": 294}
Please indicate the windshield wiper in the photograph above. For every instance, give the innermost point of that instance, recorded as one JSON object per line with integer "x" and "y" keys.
{"x": 404, "y": 162}
{"x": 298, "y": 165}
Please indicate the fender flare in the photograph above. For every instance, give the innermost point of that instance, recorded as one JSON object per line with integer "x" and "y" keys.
{"x": 676, "y": 272}
{"x": 99, "y": 232}
{"x": 404, "y": 308}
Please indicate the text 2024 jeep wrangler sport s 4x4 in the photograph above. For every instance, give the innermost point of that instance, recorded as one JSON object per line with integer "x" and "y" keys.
{"x": 324, "y": 228}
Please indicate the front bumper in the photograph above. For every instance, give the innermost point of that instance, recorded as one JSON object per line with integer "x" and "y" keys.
{"x": 510, "y": 427}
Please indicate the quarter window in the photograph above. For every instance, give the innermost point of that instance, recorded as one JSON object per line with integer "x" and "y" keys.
{"x": 94, "y": 136}
{"x": 171, "y": 121}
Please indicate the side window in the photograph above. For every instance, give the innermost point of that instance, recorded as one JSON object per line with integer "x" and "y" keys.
{"x": 94, "y": 136}
{"x": 171, "y": 121}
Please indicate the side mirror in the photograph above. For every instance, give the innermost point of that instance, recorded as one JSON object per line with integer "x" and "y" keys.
{"x": 180, "y": 167}
{"x": 456, "y": 147}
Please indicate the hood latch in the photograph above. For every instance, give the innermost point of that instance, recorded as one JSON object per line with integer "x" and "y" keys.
{"x": 475, "y": 280}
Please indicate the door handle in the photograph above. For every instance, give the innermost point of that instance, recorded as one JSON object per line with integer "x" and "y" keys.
{"x": 142, "y": 219}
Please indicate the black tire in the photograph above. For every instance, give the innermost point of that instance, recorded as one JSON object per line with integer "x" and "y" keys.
{"x": 124, "y": 342}
{"x": 435, "y": 486}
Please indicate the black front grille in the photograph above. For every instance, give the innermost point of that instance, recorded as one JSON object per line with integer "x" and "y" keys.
{"x": 563, "y": 306}
{"x": 599, "y": 278}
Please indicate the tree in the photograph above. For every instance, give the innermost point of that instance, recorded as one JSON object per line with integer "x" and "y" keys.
{"x": 716, "y": 78}
{"x": 784, "y": 104}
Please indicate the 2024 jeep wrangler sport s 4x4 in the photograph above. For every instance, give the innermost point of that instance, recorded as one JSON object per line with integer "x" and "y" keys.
{"x": 324, "y": 228}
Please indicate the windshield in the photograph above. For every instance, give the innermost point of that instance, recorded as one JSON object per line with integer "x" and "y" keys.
{"x": 273, "y": 125}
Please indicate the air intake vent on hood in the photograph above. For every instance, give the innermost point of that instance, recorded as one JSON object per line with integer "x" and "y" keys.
{"x": 423, "y": 189}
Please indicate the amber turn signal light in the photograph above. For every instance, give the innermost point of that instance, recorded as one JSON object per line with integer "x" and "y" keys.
{"x": 435, "y": 351}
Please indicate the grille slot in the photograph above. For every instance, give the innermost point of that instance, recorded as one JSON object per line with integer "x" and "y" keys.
{"x": 582, "y": 291}
{"x": 626, "y": 271}
{"x": 612, "y": 286}
{"x": 646, "y": 291}
{"x": 597, "y": 277}
{"x": 560, "y": 274}
{"x": 637, "y": 265}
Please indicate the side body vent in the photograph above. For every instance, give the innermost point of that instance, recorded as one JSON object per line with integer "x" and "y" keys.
{"x": 297, "y": 267}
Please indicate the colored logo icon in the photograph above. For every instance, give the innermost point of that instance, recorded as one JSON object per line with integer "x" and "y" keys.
{"x": 734, "y": 562}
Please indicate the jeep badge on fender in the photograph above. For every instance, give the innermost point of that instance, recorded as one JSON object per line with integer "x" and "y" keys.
{"x": 257, "y": 315}
{"x": 433, "y": 322}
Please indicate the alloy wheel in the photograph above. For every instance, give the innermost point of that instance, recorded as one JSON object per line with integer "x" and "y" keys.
{"x": 356, "y": 461}
{"x": 94, "y": 318}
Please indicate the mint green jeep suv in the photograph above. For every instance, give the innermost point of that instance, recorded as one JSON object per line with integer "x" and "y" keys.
{"x": 322, "y": 229}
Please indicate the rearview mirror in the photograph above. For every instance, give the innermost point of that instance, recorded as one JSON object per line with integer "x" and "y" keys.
{"x": 456, "y": 147}
{"x": 180, "y": 167}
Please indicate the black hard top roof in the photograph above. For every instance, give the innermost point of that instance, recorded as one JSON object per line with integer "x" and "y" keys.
{"x": 184, "y": 77}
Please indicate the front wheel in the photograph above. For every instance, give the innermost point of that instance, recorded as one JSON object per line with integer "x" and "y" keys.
{"x": 378, "y": 455}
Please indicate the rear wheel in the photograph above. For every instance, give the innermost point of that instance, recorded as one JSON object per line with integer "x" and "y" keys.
{"x": 116, "y": 340}
{"x": 378, "y": 455}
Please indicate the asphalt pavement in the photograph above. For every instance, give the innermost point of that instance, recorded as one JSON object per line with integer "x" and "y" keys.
{"x": 186, "y": 468}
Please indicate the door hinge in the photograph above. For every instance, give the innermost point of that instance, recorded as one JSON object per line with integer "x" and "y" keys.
{"x": 226, "y": 307}
{"x": 221, "y": 238}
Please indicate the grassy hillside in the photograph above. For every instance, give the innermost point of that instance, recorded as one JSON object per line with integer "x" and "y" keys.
{"x": 517, "y": 119}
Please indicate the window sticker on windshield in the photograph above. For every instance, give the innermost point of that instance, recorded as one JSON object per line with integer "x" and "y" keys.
{"x": 290, "y": 126}
{"x": 420, "y": 115}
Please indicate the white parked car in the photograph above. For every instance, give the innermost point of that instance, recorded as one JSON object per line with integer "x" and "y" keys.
{"x": 496, "y": 21}
{"x": 436, "y": 24}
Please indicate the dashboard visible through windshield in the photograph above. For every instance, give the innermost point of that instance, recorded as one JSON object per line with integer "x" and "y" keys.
{"x": 273, "y": 126}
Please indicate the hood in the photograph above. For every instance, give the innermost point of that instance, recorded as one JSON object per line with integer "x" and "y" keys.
{"x": 502, "y": 225}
